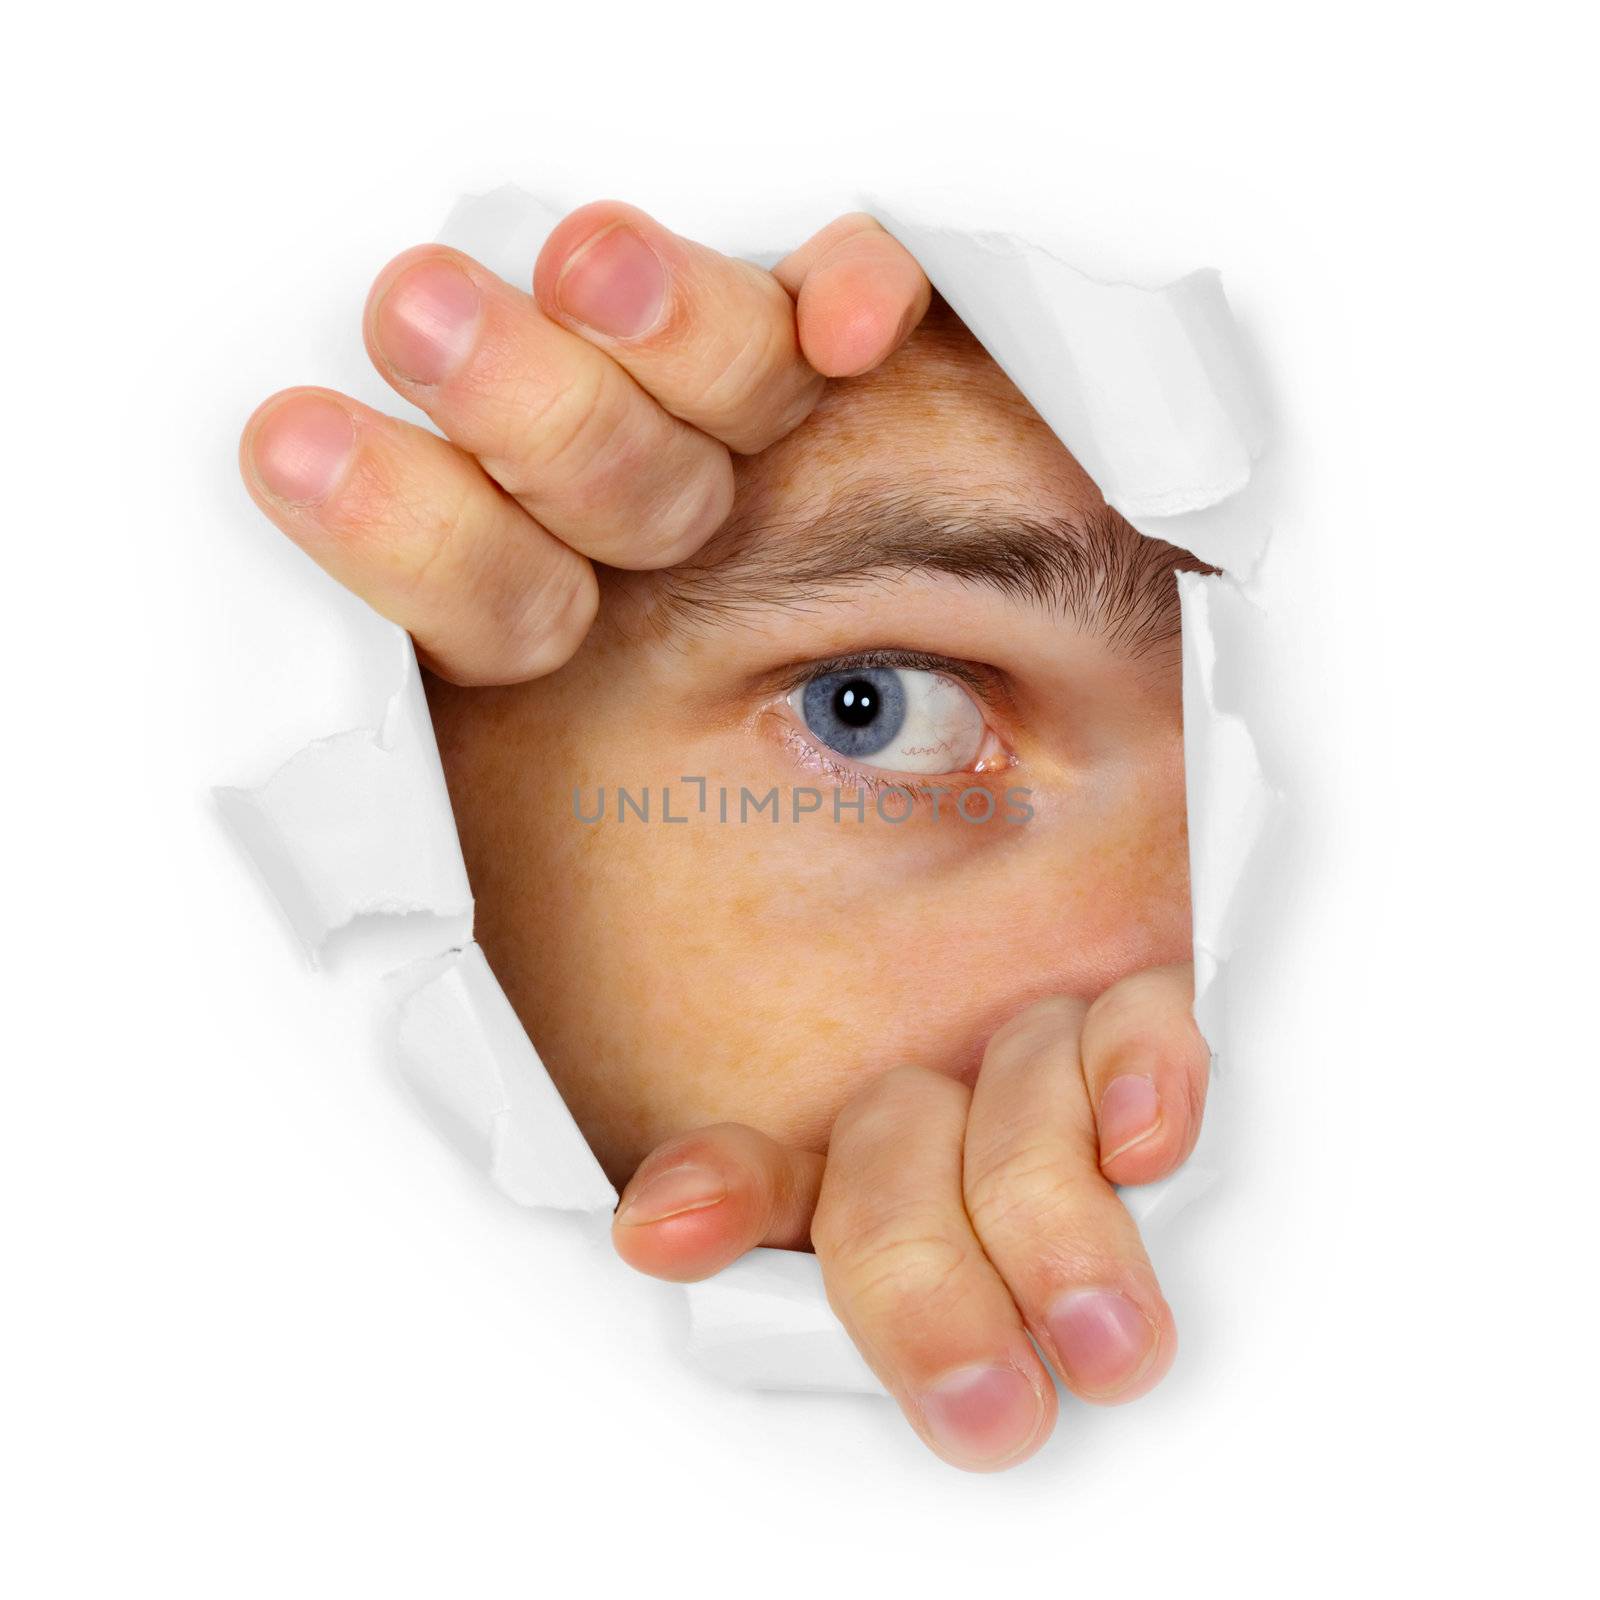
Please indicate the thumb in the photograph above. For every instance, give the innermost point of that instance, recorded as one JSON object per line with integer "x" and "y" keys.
{"x": 703, "y": 1199}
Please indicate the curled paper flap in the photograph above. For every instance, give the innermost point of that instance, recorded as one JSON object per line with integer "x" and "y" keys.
{"x": 1146, "y": 387}
{"x": 358, "y": 824}
{"x": 505, "y": 229}
{"x": 765, "y": 1323}
{"x": 465, "y": 1052}
{"x": 1229, "y": 801}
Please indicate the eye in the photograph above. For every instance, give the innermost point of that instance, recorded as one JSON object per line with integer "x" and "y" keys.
{"x": 903, "y": 719}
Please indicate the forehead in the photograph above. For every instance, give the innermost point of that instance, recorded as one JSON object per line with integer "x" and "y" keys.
{"x": 937, "y": 412}
{"x": 934, "y": 463}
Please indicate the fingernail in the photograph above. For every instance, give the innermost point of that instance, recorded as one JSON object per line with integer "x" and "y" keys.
{"x": 614, "y": 284}
{"x": 302, "y": 447}
{"x": 1103, "y": 1340}
{"x": 982, "y": 1416}
{"x": 427, "y": 322}
{"x": 671, "y": 1193}
{"x": 1130, "y": 1111}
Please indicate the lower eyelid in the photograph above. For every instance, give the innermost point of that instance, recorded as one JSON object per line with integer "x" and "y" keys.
{"x": 814, "y": 756}
{"x": 993, "y": 757}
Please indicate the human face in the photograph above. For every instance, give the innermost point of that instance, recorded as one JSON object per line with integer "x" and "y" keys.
{"x": 923, "y": 538}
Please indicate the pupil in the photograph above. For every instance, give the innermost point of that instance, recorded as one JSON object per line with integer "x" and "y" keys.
{"x": 855, "y": 703}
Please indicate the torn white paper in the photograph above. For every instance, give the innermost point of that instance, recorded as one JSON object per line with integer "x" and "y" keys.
{"x": 463, "y": 1049}
{"x": 504, "y": 229}
{"x": 1147, "y": 390}
{"x": 1228, "y": 799}
{"x": 1146, "y": 387}
{"x": 358, "y": 824}
{"x": 765, "y": 1323}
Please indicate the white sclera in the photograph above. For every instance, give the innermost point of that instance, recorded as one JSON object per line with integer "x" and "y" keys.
{"x": 943, "y": 729}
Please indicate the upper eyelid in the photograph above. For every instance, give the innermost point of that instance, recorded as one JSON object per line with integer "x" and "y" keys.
{"x": 983, "y": 681}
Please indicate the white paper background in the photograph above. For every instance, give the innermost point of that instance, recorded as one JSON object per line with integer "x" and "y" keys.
{"x": 268, "y": 1335}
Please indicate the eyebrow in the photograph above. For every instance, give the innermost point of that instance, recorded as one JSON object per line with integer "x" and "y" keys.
{"x": 1096, "y": 569}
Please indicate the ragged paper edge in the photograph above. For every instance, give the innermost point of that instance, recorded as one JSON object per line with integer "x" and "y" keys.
{"x": 466, "y": 1055}
{"x": 1147, "y": 387}
{"x": 359, "y": 825}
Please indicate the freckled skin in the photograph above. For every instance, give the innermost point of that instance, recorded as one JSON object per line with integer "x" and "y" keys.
{"x": 677, "y": 975}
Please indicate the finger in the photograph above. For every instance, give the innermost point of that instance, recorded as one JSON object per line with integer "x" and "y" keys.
{"x": 858, "y": 294}
{"x": 1050, "y": 1222}
{"x": 1146, "y": 1066}
{"x": 705, "y": 1198}
{"x": 416, "y": 529}
{"x": 909, "y": 1281}
{"x": 567, "y": 433}
{"x": 712, "y": 338}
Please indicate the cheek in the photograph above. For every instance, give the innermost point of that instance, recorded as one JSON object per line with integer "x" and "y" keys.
{"x": 676, "y": 976}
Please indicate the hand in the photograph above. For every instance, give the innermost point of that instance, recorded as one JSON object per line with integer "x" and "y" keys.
{"x": 591, "y": 420}
{"x": 953, "y": 1223}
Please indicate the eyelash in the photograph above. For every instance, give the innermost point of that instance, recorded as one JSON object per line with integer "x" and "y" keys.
{"x": 965, "y": 673}
{"x": 843, "y": 772}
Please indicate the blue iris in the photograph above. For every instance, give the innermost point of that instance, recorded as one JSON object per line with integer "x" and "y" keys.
{"x": 857, "y": 712}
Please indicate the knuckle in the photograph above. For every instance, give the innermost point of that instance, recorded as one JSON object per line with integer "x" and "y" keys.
{"x": 613, "y": 465}
{"x": 692, "y": 508}
{"x": 705, "y": 497}
{"x": 742, "y": 368}
{"x": 415, "y": 537}
{"x": 652, "y": 501}
{"x": 892, "y": 1096}
{"x": 1134, "y": 1043}
{"x": 1138, "y": 1024}
{"x": 804, "y": 391}
{"x": 1038, "y": 1031}
{"x": 905, "y": 1081}
{"x": 1155, "y": 992}
{"x": 1028, "y": 1189}
{"x": 552, "y": 621}
{"x": 1123, "y": 1003}
{"x": 754, "y": 382}
{"x": 550, "y": 433}
{"x": 886, "y": 1265}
